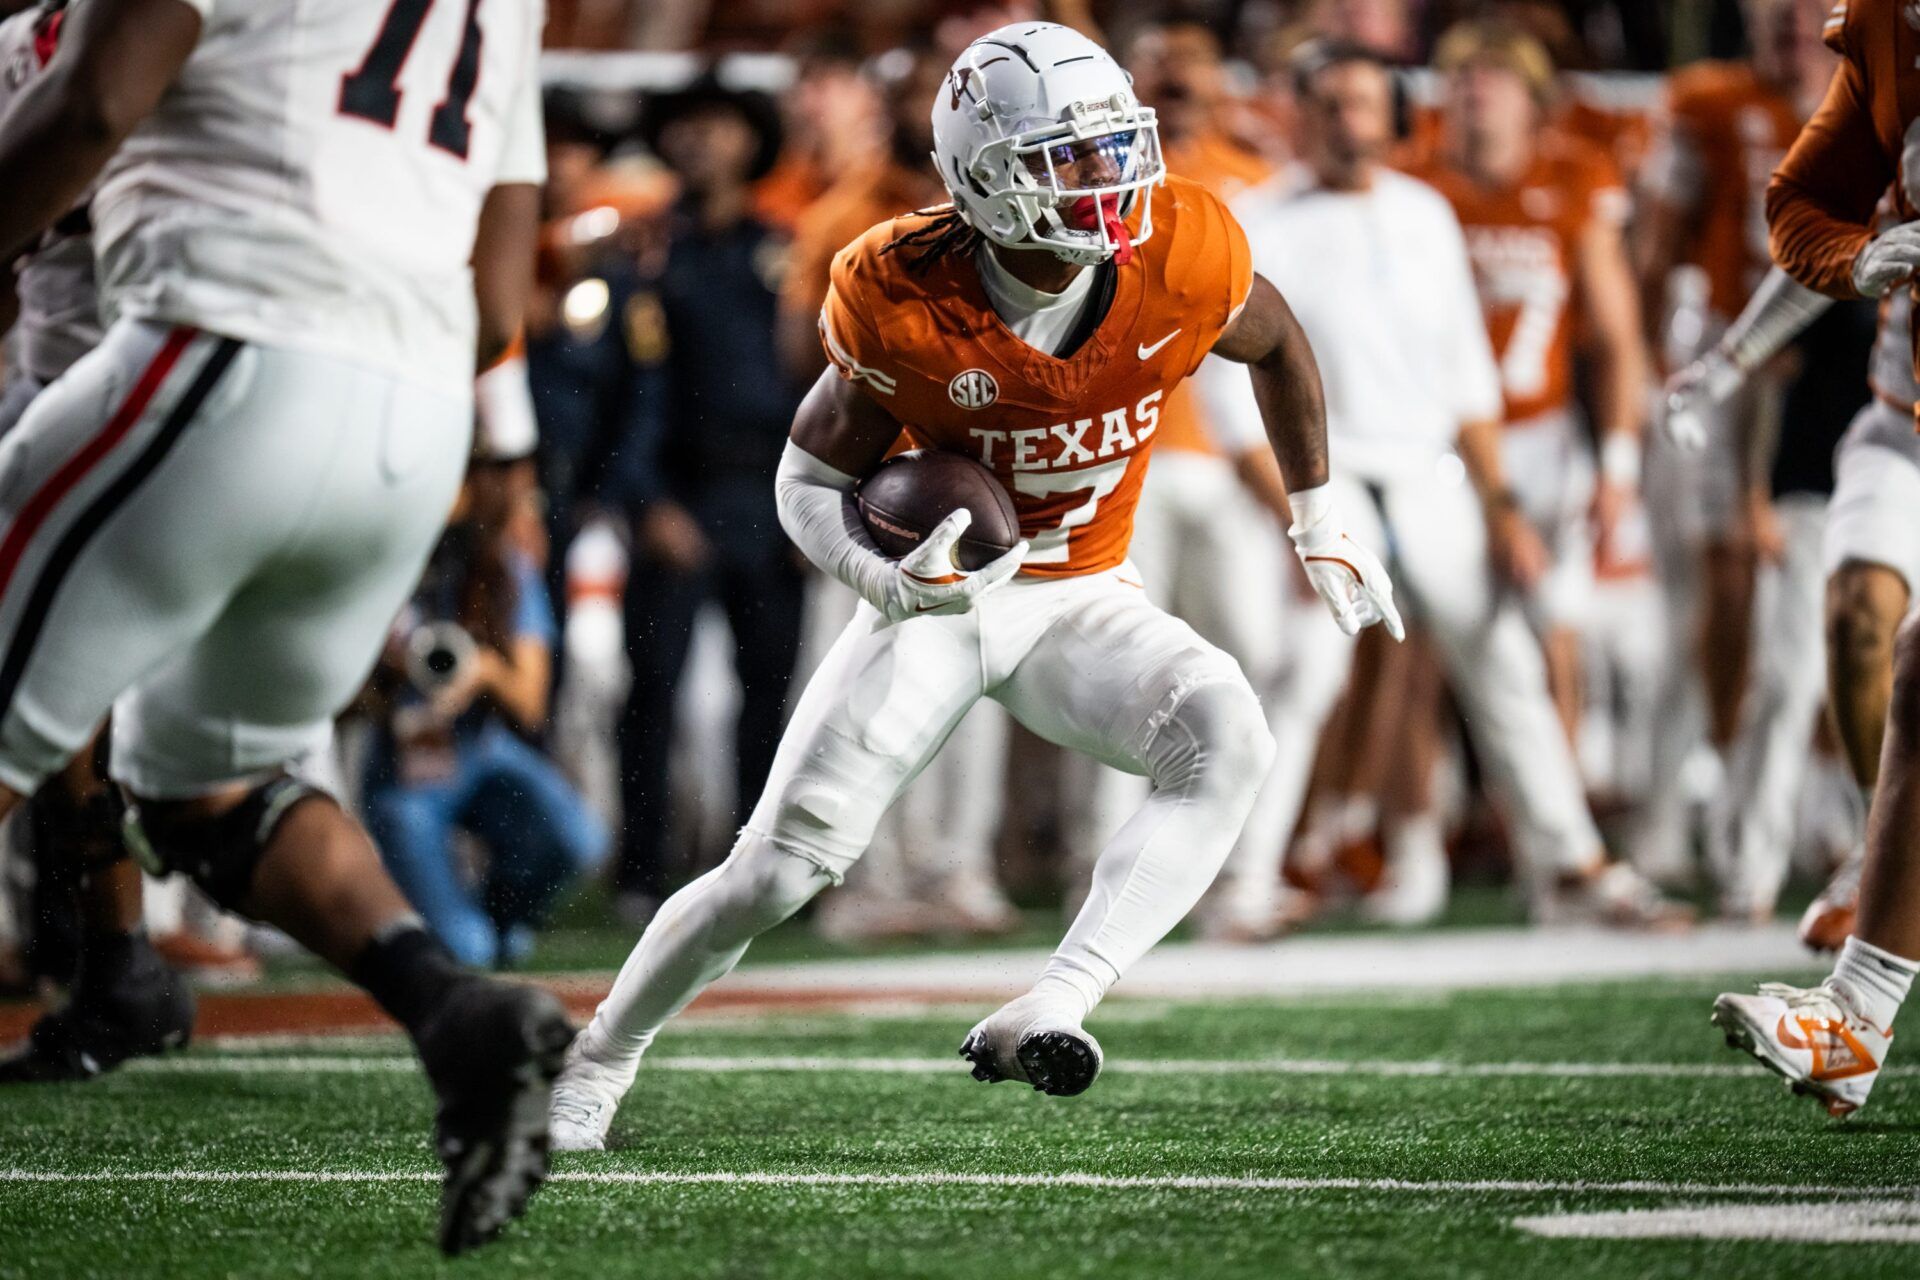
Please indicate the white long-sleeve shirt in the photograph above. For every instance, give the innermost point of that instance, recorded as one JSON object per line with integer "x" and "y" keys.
{"x": 1381, "y": 283}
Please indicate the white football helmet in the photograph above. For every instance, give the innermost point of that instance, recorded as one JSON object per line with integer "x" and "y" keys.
{"x": 1042, "y": 144}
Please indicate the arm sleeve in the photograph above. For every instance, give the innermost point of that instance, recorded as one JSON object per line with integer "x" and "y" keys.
{"x": 523, "y": 158}
{"x": 816, "y": 508}
{"x": 1821, "y": 200}
{"x": 1776, "y": 314}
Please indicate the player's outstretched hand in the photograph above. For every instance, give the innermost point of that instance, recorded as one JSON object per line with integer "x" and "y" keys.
{"x": 1890, "y": 258}
{"x": 927, "y": 581}
{"x": 1348, "y": 577}
{"x": 1692, "y": 393}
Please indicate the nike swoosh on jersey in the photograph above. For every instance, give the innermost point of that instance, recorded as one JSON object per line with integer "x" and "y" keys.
{"x": 1146, "y": 352}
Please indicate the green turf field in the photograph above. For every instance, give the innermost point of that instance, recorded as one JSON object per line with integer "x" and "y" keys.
{"x": 1226, "y": 1140}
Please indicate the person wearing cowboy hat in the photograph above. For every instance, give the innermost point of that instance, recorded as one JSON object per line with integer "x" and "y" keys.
{"x": 695, "y": 470}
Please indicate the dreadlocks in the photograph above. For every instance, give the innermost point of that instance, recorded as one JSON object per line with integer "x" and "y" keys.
{"x": 946, "y": 233}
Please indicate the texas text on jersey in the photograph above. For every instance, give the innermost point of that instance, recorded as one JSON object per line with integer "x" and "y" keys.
{"x": 1068, "y": 435}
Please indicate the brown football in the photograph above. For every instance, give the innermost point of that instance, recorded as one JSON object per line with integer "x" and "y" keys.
{"x": 911, "y": 493}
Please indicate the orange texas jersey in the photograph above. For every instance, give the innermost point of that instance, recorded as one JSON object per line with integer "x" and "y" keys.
{"x": 1728, "y": 132}
{"x": 1524, "y": 242}
{"x": 1225, "y": 168}
{"x": 1068, "y": 437}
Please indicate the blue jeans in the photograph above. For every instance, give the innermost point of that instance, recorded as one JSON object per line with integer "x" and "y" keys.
{"x": 539, "y": 835}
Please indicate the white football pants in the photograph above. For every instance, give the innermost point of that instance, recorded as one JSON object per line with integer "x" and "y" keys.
{"x": 1087, "y": 663}
{"x": 1750, "y": 841}
{"x": 1213, "y": 557}
{"x": 211, "y": 539}
{"x": 1874, "y": 517}
{"x": 940, "y": 836}
{"x": 1549, "y": 466}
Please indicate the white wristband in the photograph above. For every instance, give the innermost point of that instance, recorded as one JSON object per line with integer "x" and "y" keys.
{"x": 1310, "y": 507}
{"x": 1620, "y": 459}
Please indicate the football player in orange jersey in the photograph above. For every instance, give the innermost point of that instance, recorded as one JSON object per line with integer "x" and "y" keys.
{"x": 1542, "y": 214}
{"x": 1823, "y": 206}
{"x": 1726, "y": 125}
{"x": 1037, "y": 326}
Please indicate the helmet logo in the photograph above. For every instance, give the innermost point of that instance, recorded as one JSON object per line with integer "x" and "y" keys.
{"x": 974, "y": 389}
{"x": 960, "y": 77}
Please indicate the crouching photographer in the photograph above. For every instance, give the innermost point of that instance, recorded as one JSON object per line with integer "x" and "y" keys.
{"x": 463, "y": 684}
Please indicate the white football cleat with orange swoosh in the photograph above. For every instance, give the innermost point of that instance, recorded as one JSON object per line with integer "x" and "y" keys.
{"x": 1811, "y": 1037}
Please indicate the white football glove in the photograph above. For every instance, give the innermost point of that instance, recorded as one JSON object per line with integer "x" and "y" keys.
{"x": 1890, "y": 258}
{"x": 926, "y": 581}
{"x": 1693, "y": 393}
{"x": 1348, "y": 577}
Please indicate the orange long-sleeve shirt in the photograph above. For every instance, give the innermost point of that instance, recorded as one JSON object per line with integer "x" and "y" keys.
{"x": 1821, "y": 202}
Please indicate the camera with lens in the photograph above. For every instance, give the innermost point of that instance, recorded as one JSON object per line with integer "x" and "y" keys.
{"x": 439, "y": 654}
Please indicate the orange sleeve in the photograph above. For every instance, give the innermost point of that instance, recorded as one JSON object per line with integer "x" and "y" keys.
{"x": 849, "y": 331}
{"x": 1221, "y": 249}
{"x": 1821, "y": 200}
{"x": 1239, "y": 266}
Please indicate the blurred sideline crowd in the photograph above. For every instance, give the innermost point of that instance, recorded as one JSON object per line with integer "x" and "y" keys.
{"x": 593, "y": 677}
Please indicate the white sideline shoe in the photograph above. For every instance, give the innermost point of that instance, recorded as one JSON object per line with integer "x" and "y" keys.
{"x": 1828, "y": 920}
{"x": 1031, "y": 1040}
{"x": 1810, "y": 1037}
{"x": 1414, "y": 885}
{"x": 1619, "y": 897}
{"x": 585, "y": 1096}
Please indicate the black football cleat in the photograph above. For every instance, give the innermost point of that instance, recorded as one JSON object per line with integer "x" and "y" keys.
{"x": 491, "y": 1052}
{"x": 1029, "y": 1041}
{"x": 128, "y": 1005}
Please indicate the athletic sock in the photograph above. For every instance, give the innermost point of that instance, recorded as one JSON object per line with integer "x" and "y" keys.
{"x": 1875, "y": 981}
{"x": 407, "y": 971}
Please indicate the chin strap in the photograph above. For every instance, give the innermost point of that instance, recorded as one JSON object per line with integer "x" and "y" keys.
{"x": 1090, "y": 212}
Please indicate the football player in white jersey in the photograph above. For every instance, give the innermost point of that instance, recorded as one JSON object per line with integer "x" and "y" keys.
{"x": 207, "y": 524}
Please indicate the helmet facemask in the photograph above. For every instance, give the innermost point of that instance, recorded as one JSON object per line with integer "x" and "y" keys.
{"x": 1068, "y": 186}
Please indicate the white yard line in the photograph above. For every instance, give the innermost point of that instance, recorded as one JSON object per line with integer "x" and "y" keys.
{"x": 1866, "y": 1221}
{"x": 1105, "y": 1182}
{"x": 1320, "y": 964}
{"x": 349, "y": 1064}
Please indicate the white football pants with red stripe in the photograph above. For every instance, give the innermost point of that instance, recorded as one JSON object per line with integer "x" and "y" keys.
{"x": 210, "y": 539}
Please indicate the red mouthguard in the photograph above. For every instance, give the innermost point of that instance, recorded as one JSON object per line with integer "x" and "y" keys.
{"x": 1091, "y": 212}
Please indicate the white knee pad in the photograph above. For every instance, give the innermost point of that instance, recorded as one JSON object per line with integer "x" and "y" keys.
{"x": 1216, "y": 741}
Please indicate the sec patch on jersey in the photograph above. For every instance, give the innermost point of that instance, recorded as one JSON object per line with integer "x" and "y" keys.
{"x": 910, "y": 493}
